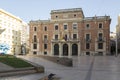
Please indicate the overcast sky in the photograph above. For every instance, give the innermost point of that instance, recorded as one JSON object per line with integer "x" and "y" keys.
{"x": 40, "y": 9}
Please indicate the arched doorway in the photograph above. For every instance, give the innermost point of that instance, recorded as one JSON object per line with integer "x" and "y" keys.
{"x": 56, "y": 49}
{"x": 65, "y": 50}
{"x": 75, "y": 49}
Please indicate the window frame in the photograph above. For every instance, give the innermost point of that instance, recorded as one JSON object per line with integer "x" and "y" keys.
{"x": 87, "y": 25}
{"x": 87, "y": 45}
{"x": 34, "y": 46}
{"x": 100, "y": 45}
{"x": 75, "y": 27}
{"x": 35, "y": 29}
{"x": 100, "y": 25}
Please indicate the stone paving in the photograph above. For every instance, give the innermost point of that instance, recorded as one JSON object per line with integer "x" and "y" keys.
{"x": 85, "y": 68}
{"x": 4, "y": 67}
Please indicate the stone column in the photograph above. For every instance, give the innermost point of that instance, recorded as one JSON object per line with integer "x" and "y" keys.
{"x": 79, "y": 51}
{"x": 52, "y": 49}
{"x": 70, "y": 50}
{"x": 60, "y": 49}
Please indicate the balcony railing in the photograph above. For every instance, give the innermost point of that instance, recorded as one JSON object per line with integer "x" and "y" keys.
{"x": 65, "y": 40}
{"x": 45, "y": 41}
{"x": 100, "y": 39}
{"x": 88, "y": 40}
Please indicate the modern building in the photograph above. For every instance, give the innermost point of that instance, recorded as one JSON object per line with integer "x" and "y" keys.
{"x": 70, "y": 33}
{"x": 11, "y": 35}
{"x": 118, "y": 34}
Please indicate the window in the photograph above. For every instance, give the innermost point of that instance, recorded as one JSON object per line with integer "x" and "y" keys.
{"x": 56, "y": 16}
{"x": 34, "y": 52}
{"x": 74, "y": 25}
{"x": 34, "y": 46}
{"x": 100, "y": 36}
{"x": 88, "y": 53}
{"x": 35, "y": 29}
{"x": 56, "y": 27}
{"x": 87, "y": 45}
{"x": 100, "y": 45}
{"x": 65, "y": 27}
{"x": 75, "y": 15}
{"x": 45, "y": 53}
{"x": 45, "y": 37}
{"x": 45, "y": 46}
{"x": 87, "y": 37}
{"x": 87, "y": 26}
{"x": 100, "y": 25}
{"x": 74, "y": 36}
{"x": 35, "y": 38}
{"x": 45, "y": 28}
{"x": 56, "y": 37}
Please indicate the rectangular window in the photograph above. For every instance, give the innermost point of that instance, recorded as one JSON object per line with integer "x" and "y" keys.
{"x": 34, "y": 46}
{"x": 100, "y": 45}
{"x": 45, "y": 28}
{"x": 100, "y": 25}
{"x": 74, "y": 36}
{"x": 88, "y": 53}
{"x": 45, "y": 53}
{"x": 45, "y": 46}
{"x": 87, "y": 37}
{"x": 87, "y": 26}
{"x": 74, "y": 26}
{"x": 35, "y": 29}
{"x": 35, "y": 38}
{"x": 100, "y": 36}
{"x": 65, "y": 27}
{"x": 87, "y": 45}
{"x": 56, "y": 37}
{"x": 34, "y": 52}
{"x": 45, "y": 37}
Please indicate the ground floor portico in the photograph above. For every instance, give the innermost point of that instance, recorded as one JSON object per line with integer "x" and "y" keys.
{"x": 65, "y": 49}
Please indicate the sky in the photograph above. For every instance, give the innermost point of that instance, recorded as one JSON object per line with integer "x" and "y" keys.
{"x": 29, "y": 10}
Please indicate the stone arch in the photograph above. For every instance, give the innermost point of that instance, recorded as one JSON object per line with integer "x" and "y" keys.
{"x": 56, "y": 49}
{"x": 75, "y": 49}
{"x": 65, "y": 49}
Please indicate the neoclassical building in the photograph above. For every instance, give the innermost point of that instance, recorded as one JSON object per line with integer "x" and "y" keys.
{"x": 70, "y": 33}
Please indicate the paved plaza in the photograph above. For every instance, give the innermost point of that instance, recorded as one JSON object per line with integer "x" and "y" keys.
{"x": 84, "y": 68}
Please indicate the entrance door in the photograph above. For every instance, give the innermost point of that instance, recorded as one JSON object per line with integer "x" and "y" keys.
{"x": 56, "y": 49}
{"x": 75, "y": 49}
{"x": 65, "y": 50}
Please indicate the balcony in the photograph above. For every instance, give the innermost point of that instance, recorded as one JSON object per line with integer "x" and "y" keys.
{"x": 88, "y": 40}
{"x": 35, "y": 41}
{"x": 45, "y": 41}
{"x": 100, "y": 39}
{"x": 64, "y": 40}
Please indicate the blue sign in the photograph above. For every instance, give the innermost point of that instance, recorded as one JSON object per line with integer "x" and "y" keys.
{"x": 4, "y": 48}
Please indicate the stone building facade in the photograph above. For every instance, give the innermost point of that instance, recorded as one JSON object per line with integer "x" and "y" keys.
{"x": 70, "y": 33}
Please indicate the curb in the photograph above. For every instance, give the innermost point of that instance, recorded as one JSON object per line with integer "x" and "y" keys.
{"x": 21, "y": 71}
